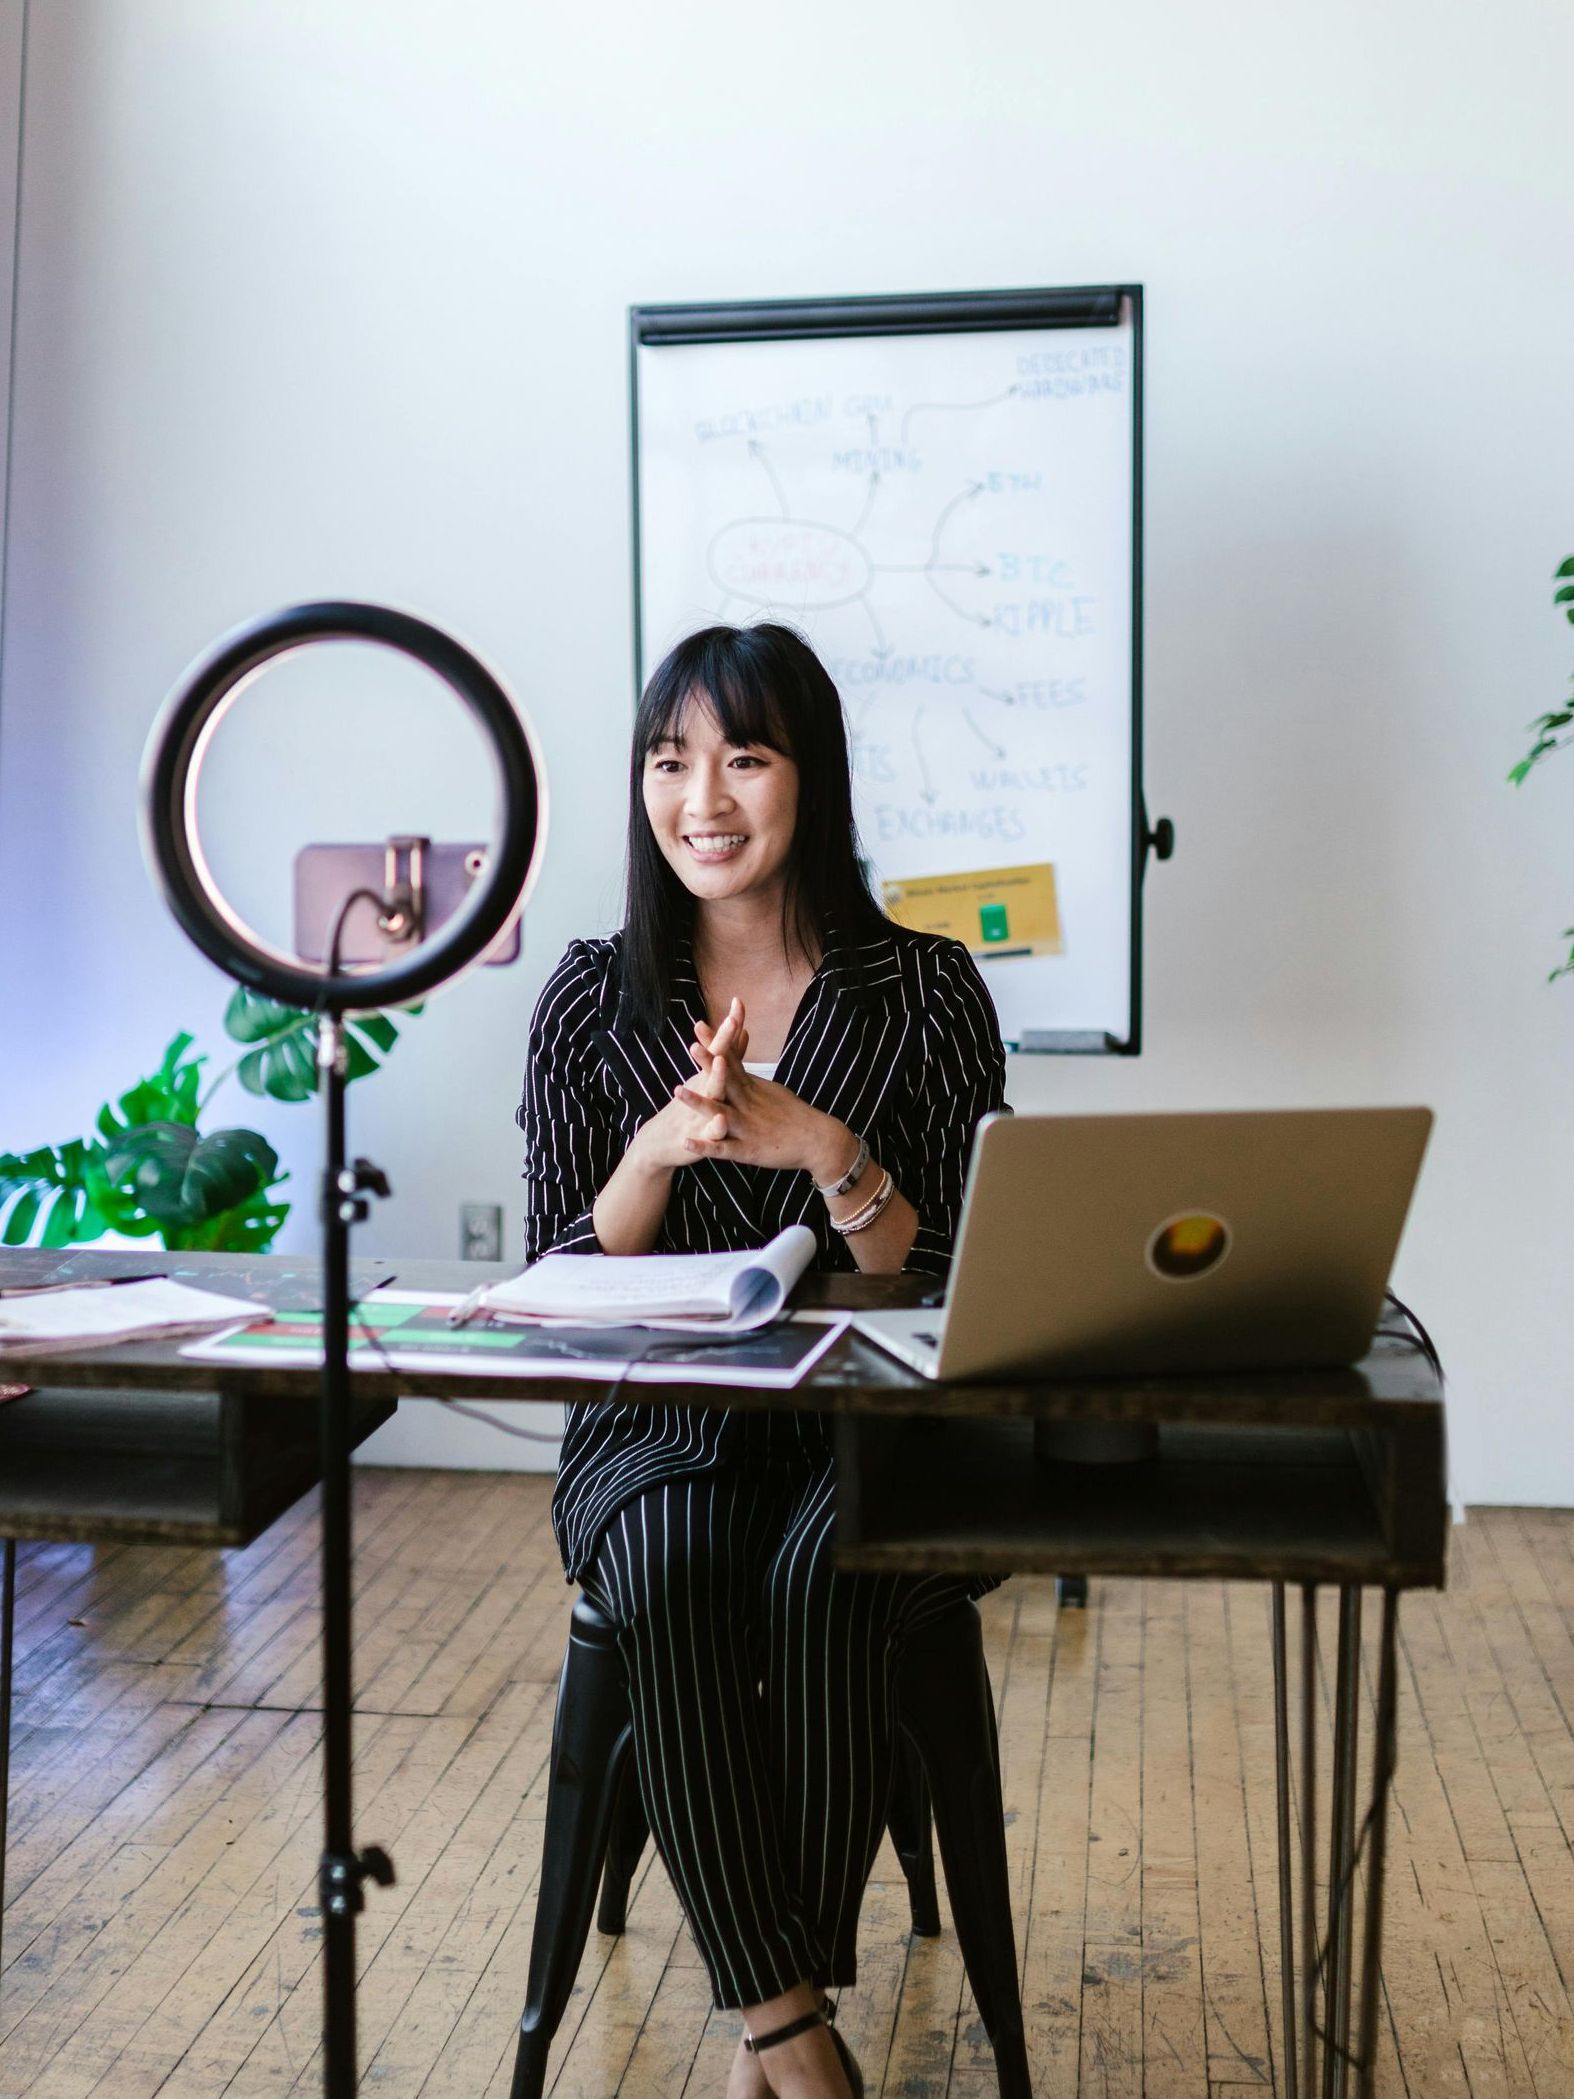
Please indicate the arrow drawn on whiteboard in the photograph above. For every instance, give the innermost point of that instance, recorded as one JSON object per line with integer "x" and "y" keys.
{"x": 952, "y": 407}
{"x": 924, "y": 568}
{"x": 968, "y": 495}
{"x": 927, "y": 790}
{"x": 863, "y": 515}
{"x": 758, "y": 451}
{"x": 989, "y": 743}
{"x": 1009, "y": 699}
{"x": 974, "y": 488}
{"x": 882, "y": 647}
{"x": 961, "y": 611}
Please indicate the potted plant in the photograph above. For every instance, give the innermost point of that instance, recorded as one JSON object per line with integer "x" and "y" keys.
{"x": 1549, "y": 729}
{"x": 149, "y": 1170}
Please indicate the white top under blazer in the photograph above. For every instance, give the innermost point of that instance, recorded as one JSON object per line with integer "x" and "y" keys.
{"x": 897, "y": 1038}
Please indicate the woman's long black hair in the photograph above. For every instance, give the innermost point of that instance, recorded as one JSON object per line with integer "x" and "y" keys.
{"x": 764, "y": 685}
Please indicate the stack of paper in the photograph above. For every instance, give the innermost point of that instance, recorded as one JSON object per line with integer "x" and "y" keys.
{"x": 682, "y": 1293}
{"x": 52, "y": 1321}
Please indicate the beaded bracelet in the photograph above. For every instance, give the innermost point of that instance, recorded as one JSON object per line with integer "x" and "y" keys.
{"x": 851, "y": 1177}
{"x": 861, "y": 1220}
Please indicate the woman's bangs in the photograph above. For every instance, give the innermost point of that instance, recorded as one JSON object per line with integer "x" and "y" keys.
{"x": 738, "y": 700}
{"x": 660, "y": 715}
{"x": 744, "y": 710}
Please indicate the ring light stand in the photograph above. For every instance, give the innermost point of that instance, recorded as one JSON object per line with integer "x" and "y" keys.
{"x": 170, "y": 771}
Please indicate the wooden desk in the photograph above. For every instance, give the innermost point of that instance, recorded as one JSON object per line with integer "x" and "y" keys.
{"x": 126, "y": 1444}
{"x": 1311, "y": 1477}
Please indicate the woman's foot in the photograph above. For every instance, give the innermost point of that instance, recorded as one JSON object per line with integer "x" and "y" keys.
{"x": 809, "y": 2065}
{"x": 746, "y": 2080}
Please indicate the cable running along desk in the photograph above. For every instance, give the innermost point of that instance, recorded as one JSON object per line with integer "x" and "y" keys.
{"x": 1300, "y": 1479}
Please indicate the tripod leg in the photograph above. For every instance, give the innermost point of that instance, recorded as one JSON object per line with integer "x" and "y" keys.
{"x": 338, "y": 1876}
{"x": 341, "y": 1869}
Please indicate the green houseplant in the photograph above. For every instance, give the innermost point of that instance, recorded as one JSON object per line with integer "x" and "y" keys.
{"x": 150, "y": 1171}
{"x": 1550, "y": 729}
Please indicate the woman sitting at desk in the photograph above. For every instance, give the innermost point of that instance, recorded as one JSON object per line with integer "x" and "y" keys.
{"x": 758, "y": 1047}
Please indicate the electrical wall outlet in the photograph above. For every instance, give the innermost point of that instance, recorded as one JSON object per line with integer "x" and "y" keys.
{"x": 480, "y": 1231}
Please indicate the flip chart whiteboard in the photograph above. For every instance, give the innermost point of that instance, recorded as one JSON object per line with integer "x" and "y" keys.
{"x": 943, "y": 495}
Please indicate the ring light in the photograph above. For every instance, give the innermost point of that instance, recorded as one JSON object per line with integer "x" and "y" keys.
{"x": 173, "y": 762}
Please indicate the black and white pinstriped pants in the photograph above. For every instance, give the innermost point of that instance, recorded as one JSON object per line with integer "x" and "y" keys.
{"x": 761, "y": 1682}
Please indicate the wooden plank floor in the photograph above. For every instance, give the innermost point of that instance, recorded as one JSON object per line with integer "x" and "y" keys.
{"x": 161, "y": 1935}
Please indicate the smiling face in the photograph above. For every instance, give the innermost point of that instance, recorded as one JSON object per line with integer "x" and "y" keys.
{"x": 723, "y": 814}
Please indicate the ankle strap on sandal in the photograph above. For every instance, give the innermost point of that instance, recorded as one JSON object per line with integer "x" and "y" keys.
{"x": 790, "y": 2032}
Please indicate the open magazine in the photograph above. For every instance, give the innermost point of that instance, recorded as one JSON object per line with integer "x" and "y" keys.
{"x": 729, "y": 1293}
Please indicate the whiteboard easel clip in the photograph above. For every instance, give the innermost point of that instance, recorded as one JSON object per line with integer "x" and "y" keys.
{"x": 1159, "y": 840}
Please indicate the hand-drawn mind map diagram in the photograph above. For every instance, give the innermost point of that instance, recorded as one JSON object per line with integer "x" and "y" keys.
{"x": 948, "y": 518}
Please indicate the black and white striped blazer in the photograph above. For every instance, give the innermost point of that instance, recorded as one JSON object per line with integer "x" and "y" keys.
{"x": 898, "y": 1040}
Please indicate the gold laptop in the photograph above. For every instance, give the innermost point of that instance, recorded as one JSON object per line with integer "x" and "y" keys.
{"x": 1142, "y": 1244}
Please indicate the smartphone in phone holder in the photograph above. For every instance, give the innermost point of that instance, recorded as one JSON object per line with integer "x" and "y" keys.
{"x": 408, "y": 886}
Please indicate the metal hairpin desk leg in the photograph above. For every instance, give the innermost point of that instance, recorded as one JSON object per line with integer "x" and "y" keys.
{"x": 1336, "y": 1960}
{"x": 1281, "y": 1759}
{"x": 1341, "y": 1842}
{"x": 1308, "y": 1845}
{"x": 1372, "y": 1944}
{"x": 7, "y": 1623}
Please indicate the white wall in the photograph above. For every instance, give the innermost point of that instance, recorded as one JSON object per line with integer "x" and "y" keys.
{"x": 321, "y": 300}
{"x": 13, "y": 44}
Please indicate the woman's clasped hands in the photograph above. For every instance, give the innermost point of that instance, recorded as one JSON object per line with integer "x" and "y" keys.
{"x": 744, "y": 1117}
{"x": 725, "y": 1112}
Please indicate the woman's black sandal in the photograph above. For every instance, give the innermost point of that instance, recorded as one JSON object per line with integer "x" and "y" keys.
{"x": 824, "y": 2016}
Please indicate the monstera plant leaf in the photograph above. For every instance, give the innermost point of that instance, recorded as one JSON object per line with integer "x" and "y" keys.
{"x": 62, "y": 1185}
{"x": 169, "y": 1095}
{"x": 247, "y": 1228}
{"x": 182, "y": 1181}
{"x": 148, "y": 1171}
{"x": 64, "y": 1196}
{"x": 282, "y": 1060}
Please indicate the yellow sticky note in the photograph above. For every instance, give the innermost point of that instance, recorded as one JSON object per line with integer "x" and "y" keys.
{"x": 993, "y": 911}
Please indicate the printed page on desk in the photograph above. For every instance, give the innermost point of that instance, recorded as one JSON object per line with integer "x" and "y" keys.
{"x": 51, "y": 1322}
{"x": 408, "y": 1330}
{"x": 682, "y": 1293}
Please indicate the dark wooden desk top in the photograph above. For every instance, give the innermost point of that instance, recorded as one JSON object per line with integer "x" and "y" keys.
{"x": 1291, "y": 1475}
{"x": 1391, "y": 1385}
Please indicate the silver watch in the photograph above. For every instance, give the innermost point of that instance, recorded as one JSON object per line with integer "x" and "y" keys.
{"x": 851, "y": 1177}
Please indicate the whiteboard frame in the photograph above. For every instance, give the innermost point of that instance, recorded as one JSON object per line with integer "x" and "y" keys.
{"x": 937, "y": 313}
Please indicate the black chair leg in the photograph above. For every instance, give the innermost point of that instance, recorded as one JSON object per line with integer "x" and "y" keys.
{"x": 907, "y": 1818}
{"x": 624, "y": 1846}
{"x": 947, "y": 1706}
{"x": 591, "y": 1740}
